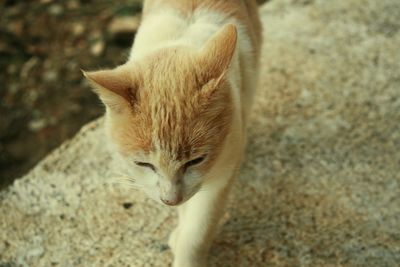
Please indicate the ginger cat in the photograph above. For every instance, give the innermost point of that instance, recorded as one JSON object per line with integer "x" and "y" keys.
{"x": 176, "y": 111}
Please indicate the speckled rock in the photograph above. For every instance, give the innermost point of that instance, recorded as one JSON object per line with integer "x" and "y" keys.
{"x": 320, "y": 185}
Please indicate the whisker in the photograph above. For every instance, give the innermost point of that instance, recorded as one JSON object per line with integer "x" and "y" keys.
{"x": 120, "y": 175}
{"x": 123, "y": 183}
{"x": 128, "y": 185}
{"x": 126, "y": 181}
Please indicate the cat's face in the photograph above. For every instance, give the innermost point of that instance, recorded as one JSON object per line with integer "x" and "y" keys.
{"x": 168, "y": 115}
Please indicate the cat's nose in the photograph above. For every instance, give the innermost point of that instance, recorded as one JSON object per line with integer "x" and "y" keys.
{"x": 172, "y": 200}
{"x": 170, "y": 193}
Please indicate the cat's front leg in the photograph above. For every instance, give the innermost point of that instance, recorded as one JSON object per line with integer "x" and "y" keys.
{"x": 173, "y": 237}
{"x": 197, "y": 225}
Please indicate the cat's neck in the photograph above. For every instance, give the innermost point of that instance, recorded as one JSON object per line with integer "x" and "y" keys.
{"x": 168, "y": 28}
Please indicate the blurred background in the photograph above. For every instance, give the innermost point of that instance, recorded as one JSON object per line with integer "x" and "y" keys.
{"x": 43, "y": 45}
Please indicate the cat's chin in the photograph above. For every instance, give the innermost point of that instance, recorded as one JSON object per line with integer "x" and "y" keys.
{"x": 159, "y": 201}
{"x": 184, "y": 200}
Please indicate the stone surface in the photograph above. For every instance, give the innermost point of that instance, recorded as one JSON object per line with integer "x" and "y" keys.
{"x": 320, "y": 185}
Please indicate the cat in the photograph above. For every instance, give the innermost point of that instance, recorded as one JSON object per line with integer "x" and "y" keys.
{"x": 176, "y": 111}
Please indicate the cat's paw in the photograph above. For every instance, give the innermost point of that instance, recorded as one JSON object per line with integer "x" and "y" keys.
{"x": 173, "y": 238}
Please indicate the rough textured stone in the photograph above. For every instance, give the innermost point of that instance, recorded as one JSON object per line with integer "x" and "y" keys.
{"x": 320, "y": 185}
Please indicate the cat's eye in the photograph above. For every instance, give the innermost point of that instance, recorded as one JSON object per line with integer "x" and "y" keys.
{"x": 146, "y": 165}
{"x": 194, "y": 162}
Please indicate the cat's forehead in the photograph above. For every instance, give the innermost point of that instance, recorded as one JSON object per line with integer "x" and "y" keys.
{"x": 170, "y": 69}
{"x": 168, "y": 104}
{"x": 171, "y": 130}
{"x": 171, "y": 117}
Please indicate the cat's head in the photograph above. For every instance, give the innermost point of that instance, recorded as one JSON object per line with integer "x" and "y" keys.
{"x": 169, "y": 113}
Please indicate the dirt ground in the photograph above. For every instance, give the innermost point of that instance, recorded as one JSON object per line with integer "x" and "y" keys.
{"x": 43, "y": 98}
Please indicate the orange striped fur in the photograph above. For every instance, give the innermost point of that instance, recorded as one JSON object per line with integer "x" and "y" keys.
{"x": 176, "y": 111}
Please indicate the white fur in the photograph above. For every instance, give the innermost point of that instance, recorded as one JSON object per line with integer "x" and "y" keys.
{"x": 198, "y": 216}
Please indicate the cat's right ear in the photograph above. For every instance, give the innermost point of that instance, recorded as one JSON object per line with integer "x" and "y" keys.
{"x": 114, "y": 87}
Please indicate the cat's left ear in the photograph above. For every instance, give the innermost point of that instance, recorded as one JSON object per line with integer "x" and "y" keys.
{"x": 114, "y": 87}
{"x": 216, "y": 55}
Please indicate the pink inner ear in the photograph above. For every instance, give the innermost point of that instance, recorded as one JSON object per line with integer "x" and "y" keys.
{"x": 109, "y": 82}
{"x": 217, "y": 53}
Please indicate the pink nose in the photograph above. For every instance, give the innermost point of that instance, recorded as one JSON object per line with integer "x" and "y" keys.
{"x": 172, "y": 201}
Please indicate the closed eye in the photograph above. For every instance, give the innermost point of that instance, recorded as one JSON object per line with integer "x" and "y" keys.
{"x": 193, "y": 162}
{"x": 146, "y": 165}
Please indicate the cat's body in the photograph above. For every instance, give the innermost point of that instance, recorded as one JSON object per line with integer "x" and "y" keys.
{"x": 178, "y": 109}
